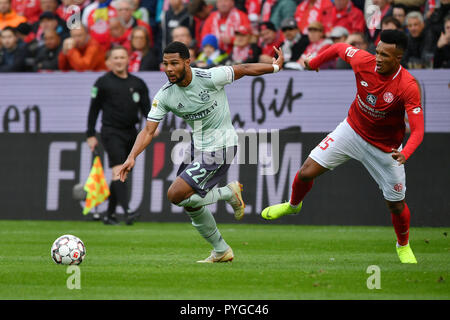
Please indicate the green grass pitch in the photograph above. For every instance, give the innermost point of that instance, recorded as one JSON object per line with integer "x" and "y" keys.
{"x": 157, "y": 261}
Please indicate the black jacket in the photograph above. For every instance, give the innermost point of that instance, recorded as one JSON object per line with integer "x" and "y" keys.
{"x": 150, "y": 62}
{"x": 419, "y": 52}
{"x": 442, "y": 57}
{"x": 13, "y": 60}
{"x": 297, "y": 48}
{"x": 170, "y": 20}
{"x": 47, "y": 59}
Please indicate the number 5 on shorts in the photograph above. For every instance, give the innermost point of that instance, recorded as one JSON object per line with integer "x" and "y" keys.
{"x": 325, "y": 143}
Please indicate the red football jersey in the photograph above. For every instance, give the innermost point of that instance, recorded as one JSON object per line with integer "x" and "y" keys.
{"x": 378, "y": 112}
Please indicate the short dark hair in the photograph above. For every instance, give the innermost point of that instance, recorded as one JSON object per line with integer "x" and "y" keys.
{"x": 391, "y": 19}
{"x": 396, "y": 37}
{"x": 400, "y": 6}
{"x": 196, "y": 6}
{"x": 13, "y": 30}
{"x": 178, "y": 47}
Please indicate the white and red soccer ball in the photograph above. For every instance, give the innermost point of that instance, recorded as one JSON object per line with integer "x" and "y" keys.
{"x": 68, "y": 250}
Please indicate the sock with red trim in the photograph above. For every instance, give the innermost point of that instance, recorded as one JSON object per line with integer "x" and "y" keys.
{"x": 299, "y": 190}
{"x": 401, "y": 225}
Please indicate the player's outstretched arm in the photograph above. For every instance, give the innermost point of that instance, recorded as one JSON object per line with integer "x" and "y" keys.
{"x": 142, "y": 141}
{"x": 307, "y": 66}
{"x": 258, "y": 69}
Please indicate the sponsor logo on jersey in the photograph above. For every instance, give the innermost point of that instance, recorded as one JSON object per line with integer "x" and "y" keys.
{"x": 369, "y": 110}
{"x": 388, "y": 97}
{"x": 201, "y": 114}
{"x": 371, "y": 99}
{"x": 398, "y": 187}
{"x": 204, "y": 95}
{"x": 417, "y": 110}
{"x": 180, "y": 106}
{"x": 364, "y": 84}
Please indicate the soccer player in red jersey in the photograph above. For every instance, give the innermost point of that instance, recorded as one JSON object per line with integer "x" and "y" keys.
{"x": 373, "y": 131}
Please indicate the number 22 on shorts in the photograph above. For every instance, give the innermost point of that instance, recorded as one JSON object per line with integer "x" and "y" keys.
{"x": 195, "y": 167}
{"x": 325, "y": 143}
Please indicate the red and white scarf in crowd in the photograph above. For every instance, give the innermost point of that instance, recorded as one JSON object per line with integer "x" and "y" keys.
{"x": 227, "y": 27}
{"x": 240, "y": 54}
{"x": 267, "y": 9}
{"x": 135, "y": 61}
{"x": 314, "y": 48}
{"x": 254, "y": 9}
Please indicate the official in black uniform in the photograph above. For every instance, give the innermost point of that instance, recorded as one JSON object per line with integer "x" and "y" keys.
{"x": 123, "y": 99}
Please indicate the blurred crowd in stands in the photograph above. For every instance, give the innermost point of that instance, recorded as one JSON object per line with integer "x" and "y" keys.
{"x": 65, "y": 35}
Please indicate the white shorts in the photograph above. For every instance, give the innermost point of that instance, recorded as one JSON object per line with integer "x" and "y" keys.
{"x": 344, "y": 143}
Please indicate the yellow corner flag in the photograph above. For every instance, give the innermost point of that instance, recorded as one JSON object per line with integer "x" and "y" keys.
{"x": 96, "y": 187}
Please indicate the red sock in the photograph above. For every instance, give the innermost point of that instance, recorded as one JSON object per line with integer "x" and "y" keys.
{"x": 299, "y": 190}
{"x": 401, "y": 225}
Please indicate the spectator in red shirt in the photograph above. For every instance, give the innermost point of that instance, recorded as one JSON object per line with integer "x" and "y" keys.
{"x": 310, "y": 11}
{"x": 269, "y": 37}
{"x": 224, "y": 22}
{"x": 125, "y": 13}
{"x": 385, "y": 7}
{"x": 30, "y": 9}
{"x": 81, "y": 52}
{"x": 119, "y": 34}
{"x": 274, "y": 11}
{"x": 95, "y": 17}
{"x": 317, "y": 43}
{"x": 200, "y": 11}
{"x": 345, "y": 14}
{"x": 243, "y": 50}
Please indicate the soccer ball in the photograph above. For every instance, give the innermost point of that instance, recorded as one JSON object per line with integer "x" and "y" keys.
{"x": 68, "y": 249}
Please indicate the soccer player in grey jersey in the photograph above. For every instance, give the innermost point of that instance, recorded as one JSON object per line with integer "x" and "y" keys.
{"x": 198, "y": 96}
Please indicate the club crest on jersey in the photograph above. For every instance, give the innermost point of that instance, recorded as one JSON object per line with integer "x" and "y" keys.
{"x": 180, "y": 106}
{"x": 371, "y": 99}
{"x": 398, "y": 187}
{"x": 204, "y": 95}
{"x": 388, "y": 97}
